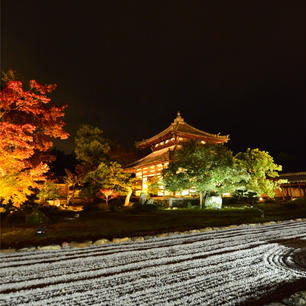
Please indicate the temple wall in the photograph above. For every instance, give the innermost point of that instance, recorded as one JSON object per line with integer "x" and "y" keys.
{"x": 291, "y": 192}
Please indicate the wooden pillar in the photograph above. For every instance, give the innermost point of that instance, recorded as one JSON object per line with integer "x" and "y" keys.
{"x": 283, "y": 192}
{"x": 141, "y": 179}
{"x": 164, "y": 192}
{"x": 287, "y": 192}
{"x": 290, "y": 192}
{"x": 300, "y": 190}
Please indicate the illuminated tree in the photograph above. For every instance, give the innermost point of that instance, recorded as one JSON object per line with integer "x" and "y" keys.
{"x": 154, "y": 185}
{"x": 208, "y": 168}
{"x": 28, "y": 123}
{"x": 96, "y": 169}
{"x": 49, "y": 191}
{"x": 108, "y": 194}
{"x": 108, "y": 176}
{"x": 71, "y": 180}
{"x": 261, "y": 169}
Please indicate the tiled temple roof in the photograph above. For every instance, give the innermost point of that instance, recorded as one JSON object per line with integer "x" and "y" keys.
{"x": 180, "y": 128}
{"x": 295, "y": 177}
{"x": 153, "y": 158}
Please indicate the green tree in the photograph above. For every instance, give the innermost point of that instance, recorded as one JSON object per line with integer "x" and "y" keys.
{"x": 208, "y": 168}
{"x": 154, "y": 185}
{"x": 108, "y": 176}
{"x": 96, "y": 170}
{"x": 49, "y": 191}
{"x": 262, "y": 170}
{"x": 91, "y": 148}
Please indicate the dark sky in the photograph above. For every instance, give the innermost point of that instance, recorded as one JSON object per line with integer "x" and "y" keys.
{"x": 234, "y": 67}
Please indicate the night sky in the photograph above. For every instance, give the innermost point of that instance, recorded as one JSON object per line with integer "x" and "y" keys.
{"x": 234, "y": 67}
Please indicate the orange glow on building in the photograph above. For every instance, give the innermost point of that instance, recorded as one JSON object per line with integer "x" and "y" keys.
{"x": 163, "y": 146}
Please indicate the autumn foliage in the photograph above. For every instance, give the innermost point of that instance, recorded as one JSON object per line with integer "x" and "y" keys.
{"x": 28, "y": 123}
{"x": 107, "y": 194}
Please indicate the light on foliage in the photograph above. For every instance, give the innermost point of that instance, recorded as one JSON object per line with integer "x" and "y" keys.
{"x": 205, "y": 168}
{"x": 144, "y": 184}
{"x": 185, "y": 192}
{"x": 262, "y": 170}
{"x": 28, "y": 123}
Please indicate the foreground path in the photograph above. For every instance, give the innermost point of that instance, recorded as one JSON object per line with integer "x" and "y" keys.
{"x": 225, "y": 267}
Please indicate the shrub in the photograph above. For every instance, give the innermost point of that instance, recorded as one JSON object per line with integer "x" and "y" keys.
{"x": 145, "y": 207}
{"x": 36, "y": 217}
{"x": 299, "y": 201}
{"x": 48, "y": 192}
{"x": 245, "y": 196}
{"x": 296, "y": 203}
{"x": 161, "y": 203}
{"x": 112, "y": 208}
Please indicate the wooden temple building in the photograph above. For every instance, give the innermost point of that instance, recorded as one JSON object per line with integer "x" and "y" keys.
{"x": 294, "y": 188}
{"x": 163, "y": 146}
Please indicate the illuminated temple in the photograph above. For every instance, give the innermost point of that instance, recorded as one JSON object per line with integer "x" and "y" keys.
{"x": 163, "y": 146}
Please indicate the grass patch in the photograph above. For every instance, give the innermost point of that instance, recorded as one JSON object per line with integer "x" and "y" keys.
{"x": 93, "y": 225}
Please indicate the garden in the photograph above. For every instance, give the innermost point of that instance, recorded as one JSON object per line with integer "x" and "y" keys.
{"x": 95, "y": 222}
{"x": 95, "y": 197}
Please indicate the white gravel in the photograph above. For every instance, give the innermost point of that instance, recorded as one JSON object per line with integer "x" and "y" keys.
{"x": 225, "y": 267}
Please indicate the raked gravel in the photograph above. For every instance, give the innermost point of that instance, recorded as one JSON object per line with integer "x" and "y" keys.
{"x": 224, "y": 267}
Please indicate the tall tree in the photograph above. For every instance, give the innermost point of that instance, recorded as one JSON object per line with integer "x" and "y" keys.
{"x": 207, "y": 168}
{"x": 91, "y": 148}
{"x": 262, "y": 170}
{"x": 28, "y": 123}
{"x": 96, "y": 170}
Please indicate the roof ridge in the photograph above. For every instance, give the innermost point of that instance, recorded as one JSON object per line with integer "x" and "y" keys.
{"x": 160, "y": 133}
{"x": 174, "y": 127}
{"x": 152, "y": 154}
{"x": 293, "y": 173}
{"x": 210, "y": 134}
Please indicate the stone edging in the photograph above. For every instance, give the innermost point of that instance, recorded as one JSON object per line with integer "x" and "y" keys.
{"x": 102, "y": 241}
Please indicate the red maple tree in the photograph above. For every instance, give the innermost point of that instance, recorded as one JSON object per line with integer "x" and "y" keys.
{"x": 28, "y": 123}
{"x": 108, "y": 194}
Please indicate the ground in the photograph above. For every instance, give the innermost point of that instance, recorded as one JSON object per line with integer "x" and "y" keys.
{"x": 242, "y": 266}
{"x": 95, "y": 224}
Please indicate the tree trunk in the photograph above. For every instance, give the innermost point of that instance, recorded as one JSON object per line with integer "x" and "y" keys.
{"x": 201, "y": 199}
{"x": 69, "y": 197}
{"x": 205, "y": 197}
{"x": 106, "y": 201}
{"x": 70, "y": 193}
{"x": 128, "y": 196}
